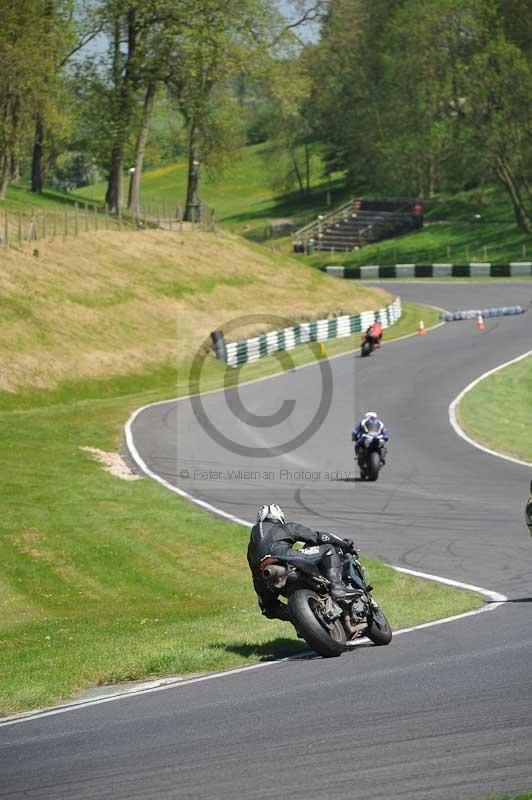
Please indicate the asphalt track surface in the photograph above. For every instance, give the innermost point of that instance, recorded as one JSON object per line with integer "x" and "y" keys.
{"x": 442, "y": 713}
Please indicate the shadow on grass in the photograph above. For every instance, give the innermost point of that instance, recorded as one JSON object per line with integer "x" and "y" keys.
{"x": 267, "y": 651}
{"x": 22, "y": 195}
{"x": 294, "y": 203}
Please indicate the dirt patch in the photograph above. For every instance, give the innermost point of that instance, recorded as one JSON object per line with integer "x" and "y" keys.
{"x": 113, "y": 463}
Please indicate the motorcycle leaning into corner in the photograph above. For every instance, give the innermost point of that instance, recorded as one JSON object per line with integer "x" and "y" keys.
{"x": 325, "y": 624}
{"x": 371, "y": 339}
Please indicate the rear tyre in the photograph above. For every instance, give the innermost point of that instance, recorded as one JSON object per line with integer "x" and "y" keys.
{"x": 374, "y": 465}
{"x": 379, "y": 630}
{"x": 304, "y": 608}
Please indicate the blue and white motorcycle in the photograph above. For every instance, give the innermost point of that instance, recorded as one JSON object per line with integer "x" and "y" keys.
{"x": 370, "y": 453}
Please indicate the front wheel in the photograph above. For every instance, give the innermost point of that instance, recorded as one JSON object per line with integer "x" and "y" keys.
{"x": 305, "y": 609}
{"x": 379, "y": 630}
{"x": 365, "y": 350}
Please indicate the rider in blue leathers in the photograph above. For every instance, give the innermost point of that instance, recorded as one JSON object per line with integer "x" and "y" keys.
{"x": 370, "y": 420}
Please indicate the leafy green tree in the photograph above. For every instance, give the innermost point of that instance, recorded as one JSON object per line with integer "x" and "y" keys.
{"x": 426, "y": 49}
{"x": 66, "y": 27}
{"x": 412, "y": 97}
{"x": 22, "y": 78}
{"x": 348, "y": 88}
{"x": 499, "y": 116}
{"x": 290, "y": 127}
{"x": 222, "y": 39}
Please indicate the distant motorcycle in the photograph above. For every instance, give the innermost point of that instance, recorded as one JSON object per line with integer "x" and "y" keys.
{"x": 371, "y": 453}
{"x": 369, "y": 343}
{"x": 324, "y": 624}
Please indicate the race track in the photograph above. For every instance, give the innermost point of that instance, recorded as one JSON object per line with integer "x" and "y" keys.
{"x": 442, "y": 713}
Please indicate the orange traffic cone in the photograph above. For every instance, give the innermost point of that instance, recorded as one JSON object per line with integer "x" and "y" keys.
{"x": 480, "y": 322}
{"x": 421, "y": 328}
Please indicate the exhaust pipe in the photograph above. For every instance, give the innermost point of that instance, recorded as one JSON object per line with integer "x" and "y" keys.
{"x": 274, "y": 571}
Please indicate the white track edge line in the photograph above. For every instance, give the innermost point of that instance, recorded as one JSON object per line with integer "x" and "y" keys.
{"x": 495, "y": 597}
{"x": 169, "y": 683}
{"x": 453, "y": 420}
{"x": 164, "y": 684}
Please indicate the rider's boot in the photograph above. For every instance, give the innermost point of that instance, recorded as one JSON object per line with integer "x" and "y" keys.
{"x": 339, "y": 590}
{"x": 333, "y": 572}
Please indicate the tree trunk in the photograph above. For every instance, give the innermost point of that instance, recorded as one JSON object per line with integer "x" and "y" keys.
{"x": 114, "y": 194}
{"x": 37, "y": 175}
{"x": 142, "y": 138}
{"x": 432, "y": 178}
{"x": 36, "y": 162}
{"x": 4, "y": 173}
{"x": 15, "y": 145}
{"x": 15, "y": 166}
{"x": 524, "y": 223}
{"x": 192, "y": 202}
{"x": 420, "y": 182}
{"x": 297, "y": 172}
{"x": 124, "y": 99}
{"x": 307, "y": 166}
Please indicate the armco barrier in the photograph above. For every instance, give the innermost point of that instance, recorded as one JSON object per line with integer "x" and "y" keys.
{"x": 335, "y": 328}
{"x": 503, "y": 311}
{"x": 511, "y": 270}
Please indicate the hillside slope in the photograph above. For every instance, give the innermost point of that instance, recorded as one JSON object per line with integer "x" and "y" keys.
{"x": 119, "y": 303}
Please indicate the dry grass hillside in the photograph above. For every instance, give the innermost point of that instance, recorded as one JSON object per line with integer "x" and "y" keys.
{"x": 117, "y": 303}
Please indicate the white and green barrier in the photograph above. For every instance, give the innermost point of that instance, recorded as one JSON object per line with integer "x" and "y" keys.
{"x": 511, "y": 270}
{"x": 335, "y": 328}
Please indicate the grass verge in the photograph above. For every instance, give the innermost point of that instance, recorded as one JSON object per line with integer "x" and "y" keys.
{"x": 498, "y": 411}
{"x": 167, "y": 380}
{"x": 101, "y": 579}
{"x": 527, "y": 796}
{"x": 118, "y": 303}
{"x": 454, "y": 242}
{"x": 245, "y": 198}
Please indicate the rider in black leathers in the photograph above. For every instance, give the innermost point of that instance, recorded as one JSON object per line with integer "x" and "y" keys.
{"x": 271, "y": 535}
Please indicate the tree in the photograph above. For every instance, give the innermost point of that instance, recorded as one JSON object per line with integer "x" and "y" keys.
{"x": 222, "y": 40}
{"x": 67, "y": 26}
{"x": 499, "y": 117}
{"x": 426, "y": 50}
{"x": 290, "y": 126}
{"x": 143, "y": 36}
{"x": 22, "y": 83}
{"x": 348, "y": 88}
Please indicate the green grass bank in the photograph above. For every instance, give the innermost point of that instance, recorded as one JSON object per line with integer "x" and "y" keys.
{"x": 497, "y": 412}
{"x": 99, "y": 581}
{"x": 474, "y": 225}
{"x": 245, "y": 197}
{"x": 445, "y": 242}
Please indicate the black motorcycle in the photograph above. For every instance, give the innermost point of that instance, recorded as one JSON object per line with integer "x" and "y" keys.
{"x": 326, "y": 625}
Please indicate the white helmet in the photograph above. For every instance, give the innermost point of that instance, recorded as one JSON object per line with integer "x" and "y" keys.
{"x": 271, "y": 512}
{"x": 371, "y": 415}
